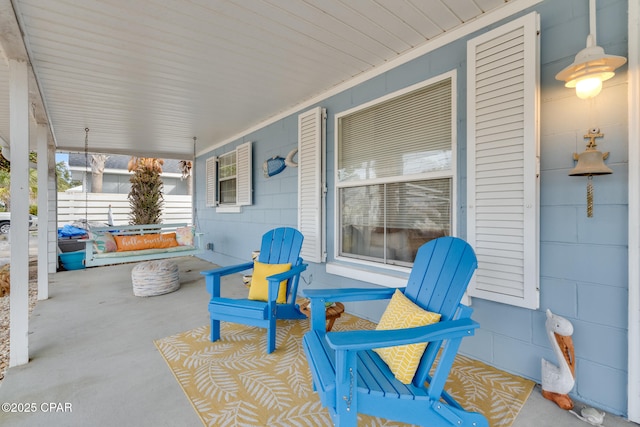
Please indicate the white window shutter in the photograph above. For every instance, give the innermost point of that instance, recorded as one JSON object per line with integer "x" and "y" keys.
{"x": 502, "y": 162}
{"x": 211, "y": 178}
{"x": 311, "y": 184}
{"x": 244, "y": 188}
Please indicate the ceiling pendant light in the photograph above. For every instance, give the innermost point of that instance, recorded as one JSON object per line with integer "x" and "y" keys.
{"x": 591, "y": 65}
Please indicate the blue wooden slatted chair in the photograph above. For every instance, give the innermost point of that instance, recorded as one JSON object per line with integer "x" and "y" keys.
{"x": 279, "y": 246}
{"x": 351, "y": 378}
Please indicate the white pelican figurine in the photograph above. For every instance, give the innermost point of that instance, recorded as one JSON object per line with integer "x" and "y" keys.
{"x": 557, "y": 381}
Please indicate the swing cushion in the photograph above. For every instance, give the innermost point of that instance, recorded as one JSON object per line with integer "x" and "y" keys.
{"x": 103, "y": 242}
{"x": 402, "y": 313}
{"x": 184, "y": 236}
{"x": 146, "y": 241}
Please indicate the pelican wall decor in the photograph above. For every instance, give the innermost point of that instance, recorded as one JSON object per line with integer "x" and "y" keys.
{"x": 557, "y": 381}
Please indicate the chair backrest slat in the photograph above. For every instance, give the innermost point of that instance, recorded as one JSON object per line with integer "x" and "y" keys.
{"x": 280, "y": 246}
{"x": 440, "y": 275}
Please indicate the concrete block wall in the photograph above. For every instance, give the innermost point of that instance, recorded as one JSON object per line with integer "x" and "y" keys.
{"x": 583, "y": 261}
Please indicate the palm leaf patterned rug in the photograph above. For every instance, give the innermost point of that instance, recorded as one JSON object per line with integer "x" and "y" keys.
{"x": 233, "y": 382}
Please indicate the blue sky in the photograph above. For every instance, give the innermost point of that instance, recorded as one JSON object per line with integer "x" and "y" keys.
{"x": 62, "y": 157}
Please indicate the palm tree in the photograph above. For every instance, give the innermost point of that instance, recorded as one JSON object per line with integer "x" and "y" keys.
{"x": 145, "y": 196}
{"x": 185, "y": 168}
{"x": 98, "y": 162}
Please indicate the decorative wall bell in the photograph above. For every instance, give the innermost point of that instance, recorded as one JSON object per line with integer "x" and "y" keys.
{"x": 590, "y": 163}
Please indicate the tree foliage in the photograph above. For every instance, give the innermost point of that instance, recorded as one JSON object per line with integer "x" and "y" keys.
{"x": 63, "y": 177}
{"x": 146, "y": 195}
{"x": 5, "y": 181}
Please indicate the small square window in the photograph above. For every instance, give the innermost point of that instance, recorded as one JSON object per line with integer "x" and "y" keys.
{"x": 229, "y": 179}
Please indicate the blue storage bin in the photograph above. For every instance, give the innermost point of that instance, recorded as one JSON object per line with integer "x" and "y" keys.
{"x": 72, "y": 260}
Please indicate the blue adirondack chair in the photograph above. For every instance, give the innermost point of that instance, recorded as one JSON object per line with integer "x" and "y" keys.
{"x": 279, "y": 246}
{"x": 351, "y": 378}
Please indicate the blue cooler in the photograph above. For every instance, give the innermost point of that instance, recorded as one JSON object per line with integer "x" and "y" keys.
{"x": 72, "y": 260}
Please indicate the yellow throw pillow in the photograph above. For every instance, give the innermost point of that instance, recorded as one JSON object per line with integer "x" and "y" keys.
{"x": 402, "y": 313}
{"x": 259, "y": 289}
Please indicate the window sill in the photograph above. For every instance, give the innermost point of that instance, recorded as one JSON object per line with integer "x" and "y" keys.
{"x": 387, "y": 279}
{"x": 228, "y": 209}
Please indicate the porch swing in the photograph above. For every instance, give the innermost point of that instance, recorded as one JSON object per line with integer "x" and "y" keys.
{"x": 119, "y": 244}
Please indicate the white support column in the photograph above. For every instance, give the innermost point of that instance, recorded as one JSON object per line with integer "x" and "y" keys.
{"x": 52, "y": 214}
{"x": 633, "y": 392}
{"x": 19, "y": 131}
{"x": 43, "y": 212}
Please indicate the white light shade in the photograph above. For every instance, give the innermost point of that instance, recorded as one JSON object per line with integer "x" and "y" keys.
{"x": 590, "y": 64}
{"x": 588, "y": 88}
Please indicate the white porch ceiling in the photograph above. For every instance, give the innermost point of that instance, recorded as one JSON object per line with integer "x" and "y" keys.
{"x": 146, "y": 76}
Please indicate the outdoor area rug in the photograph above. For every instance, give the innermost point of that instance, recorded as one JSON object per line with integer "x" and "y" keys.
{"x": 233, "y": 382}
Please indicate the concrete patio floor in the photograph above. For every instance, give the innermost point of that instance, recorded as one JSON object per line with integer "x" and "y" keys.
{"x": 93, "y": 361}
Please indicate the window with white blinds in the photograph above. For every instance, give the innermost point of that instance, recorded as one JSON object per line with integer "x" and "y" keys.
{"x": 409, "y": 134}
{"x": 395, "y": 173}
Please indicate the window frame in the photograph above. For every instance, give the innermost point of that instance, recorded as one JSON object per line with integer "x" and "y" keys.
{"x": 222, "y": 179}
{"x": 243, "y": 177}
{"x": 338, "y": 267}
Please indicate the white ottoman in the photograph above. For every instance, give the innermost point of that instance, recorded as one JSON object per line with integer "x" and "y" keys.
{"x": 155, "y": 278}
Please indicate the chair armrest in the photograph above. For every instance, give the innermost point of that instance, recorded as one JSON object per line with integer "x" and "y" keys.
{"x": 349, "y": 294}
{"x": 367, "y": 340}
{"x": 295, "y": 270}
{"x": 212, "y": 277}
{"x": 224, "y": 271}
{"x": 318, "y": 297}
{"x": 275, "y": 279}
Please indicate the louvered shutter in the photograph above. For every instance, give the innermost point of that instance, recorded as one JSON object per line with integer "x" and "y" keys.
{"x": 502, "y": 147}
{"x": 244, "y": 187}
{"x": 311, "y": 175}
{"x": 210, "y": 181}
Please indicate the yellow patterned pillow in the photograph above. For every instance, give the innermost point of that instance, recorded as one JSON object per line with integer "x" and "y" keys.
{"x": 402, "y": 313}
{"x": 259, "y": 289}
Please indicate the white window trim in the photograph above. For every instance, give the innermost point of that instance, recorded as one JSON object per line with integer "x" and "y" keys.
{"x": 228, "y": 209}
{"x": 387, "y": 279}
{"x": 633, "y": 392}
{"x": 355, "y": 268}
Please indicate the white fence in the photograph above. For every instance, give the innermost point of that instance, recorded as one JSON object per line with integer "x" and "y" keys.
{"x": 95, "y": 207}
